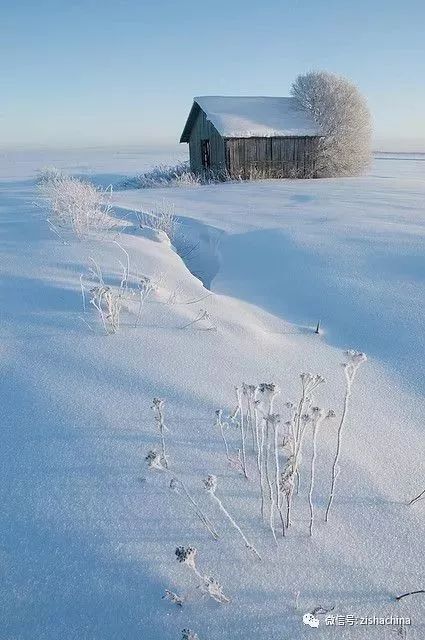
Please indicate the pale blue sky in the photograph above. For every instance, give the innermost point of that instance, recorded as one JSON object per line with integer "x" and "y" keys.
{"x": 102, "y": 72}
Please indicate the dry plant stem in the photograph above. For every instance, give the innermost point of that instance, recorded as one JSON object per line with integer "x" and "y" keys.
{"x": 316, "y": 423}
{"x": 261, "y": 465}
{"x": 277, "y": 477}
{"x": 249, "y": 390}
{"x": 335, "y": 470}
{"x": 410, "y": 593}
{"x": 219, "y": 422}
{"x": 175, "y": 483}
{"x": 418, "y": 497}
{"x": 269, "y": 482}
{"x": 300, "y": 422}
{"x": 236, "y": 526}
{"x": 158, "y": 405}
{"x": 211, "y": 485}
{"x": 126, "y": 267}
{"x": 350, "y": 369}
{"x": 242, "y": 428}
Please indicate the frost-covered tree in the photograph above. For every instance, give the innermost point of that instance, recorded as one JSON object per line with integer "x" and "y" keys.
{"x": 342, "y": 113}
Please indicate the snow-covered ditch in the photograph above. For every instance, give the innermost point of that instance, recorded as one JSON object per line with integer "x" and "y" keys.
{"x": 88, "y": 545}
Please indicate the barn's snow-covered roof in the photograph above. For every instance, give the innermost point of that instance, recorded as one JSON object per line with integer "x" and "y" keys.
{"x": 251, "y": 117}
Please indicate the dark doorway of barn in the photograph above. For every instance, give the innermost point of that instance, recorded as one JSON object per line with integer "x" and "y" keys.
{"x": 205, "y": 152}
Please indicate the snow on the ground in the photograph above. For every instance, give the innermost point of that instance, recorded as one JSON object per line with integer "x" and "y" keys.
{"x": 88, "y": 533}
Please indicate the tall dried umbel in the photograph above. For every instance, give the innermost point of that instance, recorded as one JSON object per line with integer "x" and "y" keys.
{"x": 301, "y": 419}
{"x": 265, "y": 395}
{"x": 209, "y": 585}
{"x": 158, "y": 407}
{"x": 318, "y": 415}
{"x": 210, "y": 484}
{"x": 222, "y": 426}
{"x": 239, "y": 413}
{"x": 354, "y": 360}
{"x": 180, "y": 488}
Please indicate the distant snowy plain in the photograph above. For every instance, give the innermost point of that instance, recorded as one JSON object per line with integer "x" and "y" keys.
{"x": 88, "y": 534}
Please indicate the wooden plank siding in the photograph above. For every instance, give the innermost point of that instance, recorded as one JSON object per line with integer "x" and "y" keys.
{"x": 204, "y": 130}
{"x": 271, "y": 157}
{"x": 267, "y": 157}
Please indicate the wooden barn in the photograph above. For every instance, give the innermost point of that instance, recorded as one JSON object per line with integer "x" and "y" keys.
{"x": 247, "y": 137}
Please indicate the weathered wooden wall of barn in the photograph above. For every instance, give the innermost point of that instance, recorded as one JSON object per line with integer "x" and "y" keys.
{"x": 271, "y": 157}
{"x": 204, "y": 130}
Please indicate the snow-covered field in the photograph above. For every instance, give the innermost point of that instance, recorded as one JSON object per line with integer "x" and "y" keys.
{"x": 88, "y": 532}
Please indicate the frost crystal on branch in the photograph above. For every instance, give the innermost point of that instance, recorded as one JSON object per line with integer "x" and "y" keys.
{"x": 342, "y": 113}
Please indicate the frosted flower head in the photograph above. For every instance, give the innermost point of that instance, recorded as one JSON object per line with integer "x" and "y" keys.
{"x": 187, "y": 555}
{"x": 174, "y": 484}
{"x": 355, "y": 357}
{"x": 187, "y": 634}
{"x": 331, "y": 414}
{"x": 157, "y": 403}
{"x": 310, "y": 381}
{"x": 154, "y": 460}
{"x": 267, "y": 386}
{"x": 214, "y": 589}
{"x": 273, "y": 419}
{"x": 306, "y": 377}
{"x": 317, "y": 414}
{"x": 286, "y": 482}
{"x": 248, "y": 389}
{"x": 268, "y": 389}
{"x": 289, "y": 405}
{"x": 305, "y": 418}
{"x": 210, "y": 483}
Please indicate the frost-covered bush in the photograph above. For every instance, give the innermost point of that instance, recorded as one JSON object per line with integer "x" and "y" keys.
{"x": 110, "y": 300}
{"x": 75, "y": 204}
{"x": 161, "y": 217}
{"x": 162, "y": 176}
{"x": 178, "y": 175}
{"x": 342, "y": 113}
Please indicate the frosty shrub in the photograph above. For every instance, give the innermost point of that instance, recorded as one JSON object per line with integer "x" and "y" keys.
{"x": 342, "y": 113}
{"x": 111, "y": 300}
{"x": 161, "y": 218}
{"x": 75, "y": 204}
{"x": 178, "y": 175}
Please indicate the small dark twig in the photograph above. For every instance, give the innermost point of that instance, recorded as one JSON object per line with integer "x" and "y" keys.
{"x": 321, "y": 609}
{"x": 410, "y": 593}
{"x": 318, "y": 327}
{"x": 418, "y": 497}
